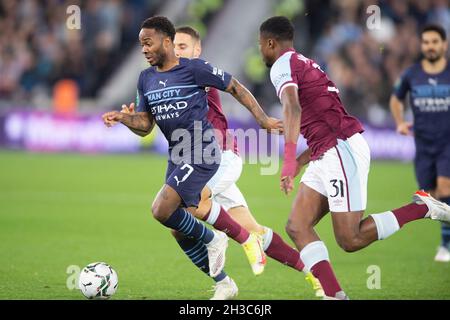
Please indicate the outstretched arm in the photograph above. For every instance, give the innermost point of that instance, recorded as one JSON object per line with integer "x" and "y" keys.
{"x": 291, "y": 118}
{"x": 130, "y": 110}
{"x": 246, "y": 98}
{"x": 141, "y": 123}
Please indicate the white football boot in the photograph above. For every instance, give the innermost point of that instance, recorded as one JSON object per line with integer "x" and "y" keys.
{"x": 339, "y": 296}
{"x": 443, "y": 255}
{"x": 216, "y": 253}
{"x": 437, "y": 210}
{"x": 225, "y": 290}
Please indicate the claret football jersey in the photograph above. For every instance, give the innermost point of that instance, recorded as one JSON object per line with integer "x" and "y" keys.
{"x": 324, "y": 118}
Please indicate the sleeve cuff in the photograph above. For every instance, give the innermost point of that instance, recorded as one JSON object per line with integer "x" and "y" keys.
{"x": 285, "y": 85}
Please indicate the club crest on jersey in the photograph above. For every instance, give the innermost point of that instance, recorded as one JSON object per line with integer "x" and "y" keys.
{"x": 432, "y": 81}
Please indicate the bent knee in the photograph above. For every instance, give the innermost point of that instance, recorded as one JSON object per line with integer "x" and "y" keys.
{"x": 349, "y": 243}
{"x": 158, "y": 212}
{"x": 293, "y": 230}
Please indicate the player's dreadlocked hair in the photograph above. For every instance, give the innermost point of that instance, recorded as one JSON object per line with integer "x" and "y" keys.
{"x": 436, "y": 28}
{"x": 160, "y": 24}
{"x": 278, "y": 27}
{"x": 190, "y": 31}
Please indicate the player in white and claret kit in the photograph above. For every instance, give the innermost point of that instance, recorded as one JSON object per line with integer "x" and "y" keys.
{"x": 338, "y": 156}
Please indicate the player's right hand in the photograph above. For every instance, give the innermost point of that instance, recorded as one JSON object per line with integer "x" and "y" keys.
{"x": 273, "y": 125}
{"x": 287, "y": 184}
{"x": 111, "y": 118}
{"x": 404, "y": 128}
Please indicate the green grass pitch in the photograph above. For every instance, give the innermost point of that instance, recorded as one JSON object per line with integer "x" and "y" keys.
{"x": 64, "y": 209}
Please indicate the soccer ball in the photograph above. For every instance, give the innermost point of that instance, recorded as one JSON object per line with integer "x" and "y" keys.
{"x": 98, "y": 281}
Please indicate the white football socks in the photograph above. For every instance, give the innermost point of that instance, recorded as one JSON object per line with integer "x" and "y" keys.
{"x": 213, "y": 213}
{"x": 386, "y": 223}
{"x": 313, "y": 253}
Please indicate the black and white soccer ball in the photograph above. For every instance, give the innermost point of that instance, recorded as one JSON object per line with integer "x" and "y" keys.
{"x": 98, "y": 281}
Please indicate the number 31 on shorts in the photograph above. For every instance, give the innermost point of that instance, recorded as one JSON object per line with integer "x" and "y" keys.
{"x": 338, "y": 186}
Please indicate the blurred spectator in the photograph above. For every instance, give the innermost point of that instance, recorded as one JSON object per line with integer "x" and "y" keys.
{"x": 365, "y": 63}
{"x": 37, "y": 48}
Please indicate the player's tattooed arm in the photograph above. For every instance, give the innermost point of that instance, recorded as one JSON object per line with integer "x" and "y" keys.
{"x": 246, "y": 98}
{"x": 142, "y": 123}
{"x": 131, "y": 110}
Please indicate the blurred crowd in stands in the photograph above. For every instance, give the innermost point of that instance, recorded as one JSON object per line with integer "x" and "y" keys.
{"x": 364, "y": 61}
{"x": 36, "y": 48}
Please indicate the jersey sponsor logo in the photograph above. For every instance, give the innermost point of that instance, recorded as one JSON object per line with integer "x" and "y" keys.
{"x": 166, "y": 103}
{"x": 163, "y": 82}
{"x": 431, "y": 97}
{"x": 168, "y": 110}
{"x": 165, "y": 94}
{"x": 437, "y": 90}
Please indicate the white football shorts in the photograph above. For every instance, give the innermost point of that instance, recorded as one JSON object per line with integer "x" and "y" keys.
{"x": 341, "y": 174}
{"x": 223, "y": 183}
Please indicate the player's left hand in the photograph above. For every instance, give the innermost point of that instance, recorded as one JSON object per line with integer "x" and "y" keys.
{"x": 273, "y": 125}
{"x": 111, "y": 118}
{"x": 287, "y": 184}
{"x": 128, "y": 109}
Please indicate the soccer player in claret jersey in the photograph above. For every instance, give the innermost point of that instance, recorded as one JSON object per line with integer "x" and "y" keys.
{"x": 428, "y": 85}
{"x": 172, "y": 94}
{"x": 339, "y": 158}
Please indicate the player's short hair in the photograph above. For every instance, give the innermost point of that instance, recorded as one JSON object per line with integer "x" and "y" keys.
{"x": 436, "y": 28}
{"x": 160, "y": 24}
{"x": 190, "y": 31}
{"x": 281, "y": 28}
